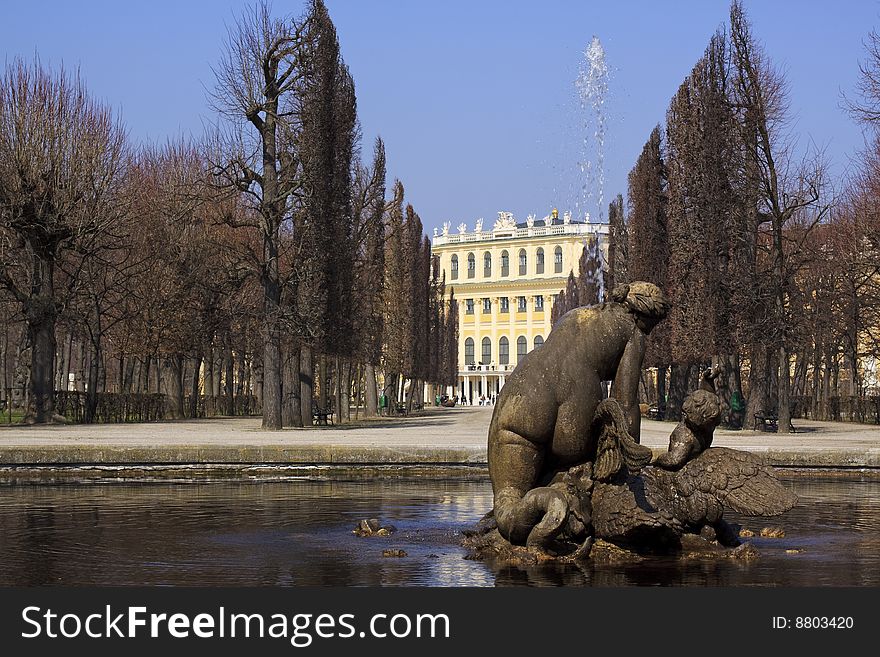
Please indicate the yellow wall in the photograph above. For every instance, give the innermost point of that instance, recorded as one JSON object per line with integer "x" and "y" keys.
{"x": 513, "y": 324}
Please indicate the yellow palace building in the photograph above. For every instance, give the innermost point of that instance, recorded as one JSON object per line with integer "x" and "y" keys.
{"x": 506, "y": 280}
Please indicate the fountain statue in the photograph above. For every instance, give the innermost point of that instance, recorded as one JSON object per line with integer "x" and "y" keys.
{"x": 567, "y": 468}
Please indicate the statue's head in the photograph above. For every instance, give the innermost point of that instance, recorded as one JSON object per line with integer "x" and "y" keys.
{"x": 644, "y": 300}
{"x": 702, "y": 409}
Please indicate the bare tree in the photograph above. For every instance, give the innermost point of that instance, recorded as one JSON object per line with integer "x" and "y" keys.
{"x": 259, "y": 80}
{"x": 61, "y": 158}
{"x": 785, "y": 189}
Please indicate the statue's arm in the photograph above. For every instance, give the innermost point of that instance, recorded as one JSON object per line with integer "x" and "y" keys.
{"x": 680, "y": 443}
{"x": 625, "y": 387}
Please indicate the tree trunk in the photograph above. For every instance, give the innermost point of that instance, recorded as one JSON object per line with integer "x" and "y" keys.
{"x": 661, "y": 390}
{"x": 323, "y": 382}
{"x": 291, "y": 414}
{"x": 228, "y": 384}
{"x": 346, "y": 391}
{"x": 678, "y": 389}
{"x": 722, "y": 385}
{"x": 371, "y": 398}
{"x": 172, "y": 383}
{"x": 815, "y": 412}
{"x": 337, "y": 390}
{"x": 784, "y": 394}
{"x": 209, "y": 370}
{"x": 306, "y": 385}
{"x": 91, "y": 408}
{"x": 736, "y": 416}
{"x": 59, "y": 367}
{"x": 194, "y": 391}
{"x": 359, "y": 378}
{"x": 759, "y": 392}
{"x": 41, "y": 335}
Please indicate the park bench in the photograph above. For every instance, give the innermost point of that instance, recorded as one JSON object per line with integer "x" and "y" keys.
{"x": 656, "y": 413}
{"x": 401, "y": 409}
{"x": 321, "y": 416}
{"x": 770, "y": 422}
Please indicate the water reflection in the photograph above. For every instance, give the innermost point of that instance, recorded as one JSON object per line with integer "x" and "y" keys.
{"x": 298, "y": 532}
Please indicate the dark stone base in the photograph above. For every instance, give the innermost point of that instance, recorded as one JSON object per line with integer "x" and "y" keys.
{"x": 484, "y": 543}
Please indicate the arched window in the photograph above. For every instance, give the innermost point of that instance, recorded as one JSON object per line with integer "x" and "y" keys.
{"x": 539, "y": 261}
{"x": 472, "y": 265}
{"x": 504, "y": 351}
{"x": 469, "y": 351}
{"x": 487, "y": 351}
{"x": 523, "y": 262}
{"x": 522, "y": 348}
{"x": 505, "y": 263}
{"x": 557, "y": 260}
{"x": 487, "y": 264}
{"x": 539, "y": 341}
{"x": 454, "y": 267}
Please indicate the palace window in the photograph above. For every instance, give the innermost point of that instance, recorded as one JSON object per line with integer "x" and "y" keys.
{"x": 505, "y": 305}
{"x": 504, "y": 351}
{"x": 522, "y": 348}
{"x": 505, "y": 263}
{"x": 487, "y": 306}
{"x": 539, "y": 302}
{"x": 539, "y": 341}
{"x": 487, "y": 351}
{"x": 557, "y": 260}
{"x": 468, "y": 306}
{"x": 469, "y": 351}
{"x": 455, "y": 267}
{"x": 487, "y": 264}
{"x": 539, "y": 261}
{"x": 472, "y": 265}
{"x": 520, "y": 304}
{"x": 523, "y": 262}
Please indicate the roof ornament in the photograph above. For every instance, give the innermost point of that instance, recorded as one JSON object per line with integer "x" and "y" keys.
{"x": 505, "y": 221}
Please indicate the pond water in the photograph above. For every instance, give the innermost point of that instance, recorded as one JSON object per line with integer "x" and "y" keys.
{"x": 298, "y": 532}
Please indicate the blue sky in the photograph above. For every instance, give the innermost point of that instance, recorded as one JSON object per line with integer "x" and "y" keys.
{"x": 475, "y": 100}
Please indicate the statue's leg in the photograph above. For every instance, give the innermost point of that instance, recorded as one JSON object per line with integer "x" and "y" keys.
{"x": 572, "y": 442}
{"x": 525, "y": 515}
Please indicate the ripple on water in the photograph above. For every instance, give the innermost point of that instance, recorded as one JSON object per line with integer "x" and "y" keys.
{"x": 298, "y": 532}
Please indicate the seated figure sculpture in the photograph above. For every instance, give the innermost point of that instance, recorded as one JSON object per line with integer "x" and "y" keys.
{"x": 700, "y": 415}
{"x": 545, "y": 420}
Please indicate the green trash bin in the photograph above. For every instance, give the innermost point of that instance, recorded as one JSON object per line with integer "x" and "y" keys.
{"x": 383, "y": 403}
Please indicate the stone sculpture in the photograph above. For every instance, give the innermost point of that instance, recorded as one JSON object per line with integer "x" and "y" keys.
{"x": 567, "y": 467}
{"x": 545, "y": 417}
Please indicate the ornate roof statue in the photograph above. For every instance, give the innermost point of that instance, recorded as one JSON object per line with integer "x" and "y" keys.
{"x": 462, "y": 227}
{"x": 566, "y": 218}
{"x": 446, "y": 226}
{"x": 505, "y": 221}
{"x": 479, "y": 225}
{"x": 530, "y": 220}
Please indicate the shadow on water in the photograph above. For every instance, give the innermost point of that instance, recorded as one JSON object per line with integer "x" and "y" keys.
{"x": 298, "y": 532}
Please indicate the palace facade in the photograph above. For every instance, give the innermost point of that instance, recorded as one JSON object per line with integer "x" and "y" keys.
{"x": 506, "y": 280}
